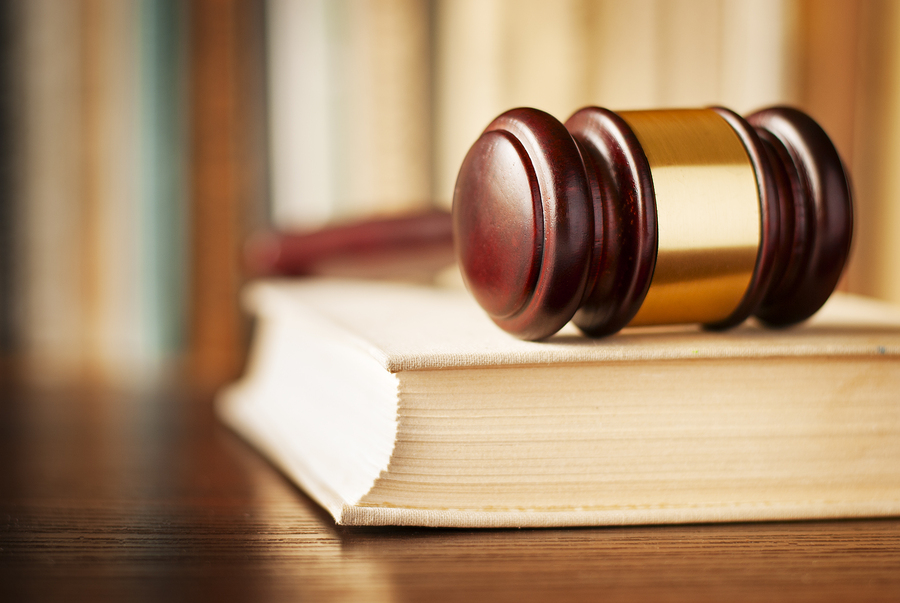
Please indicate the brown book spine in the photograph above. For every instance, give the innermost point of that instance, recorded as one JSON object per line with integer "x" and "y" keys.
{"x": 219, "y": 183}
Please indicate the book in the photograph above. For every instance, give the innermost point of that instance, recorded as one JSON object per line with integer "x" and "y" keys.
{"x": 401, "y": 405}
{"x": 870, "y": 133}
{"x": 10, "y": 47}
{"x": 97, "y": 286}
{"x": 348, "y": 83}
{"x": 224, "y": 53}
{"x": 299, "y": 113}
{"x": 111, "y": 318}
{"x": 50, "y": 330}
{"x": 161, "y": 198}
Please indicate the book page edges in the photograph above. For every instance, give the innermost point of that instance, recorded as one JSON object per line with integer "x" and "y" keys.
{"x": 811, "y": 510}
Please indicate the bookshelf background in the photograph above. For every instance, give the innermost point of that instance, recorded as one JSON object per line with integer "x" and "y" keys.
{"x": 141, "y": 141}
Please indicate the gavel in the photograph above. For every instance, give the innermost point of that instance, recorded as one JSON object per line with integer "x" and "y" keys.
{"x": 651, "y": 217}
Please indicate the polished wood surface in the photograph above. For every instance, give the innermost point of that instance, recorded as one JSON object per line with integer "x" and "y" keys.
{"x": 128, "y": 497}
{"x": 821, "y": 214}
{"x": 523, "y": 220}
{"x": 626, "y": 238}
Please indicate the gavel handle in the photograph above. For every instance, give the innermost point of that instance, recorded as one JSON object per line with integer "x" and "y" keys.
{"x": 409, "y": 246}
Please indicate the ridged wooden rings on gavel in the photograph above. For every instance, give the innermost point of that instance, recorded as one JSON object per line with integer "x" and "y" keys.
{"x": 651, "y": 217}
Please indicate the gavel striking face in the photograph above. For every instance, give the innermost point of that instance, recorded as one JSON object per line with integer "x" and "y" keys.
{"x": 651, "y": 217}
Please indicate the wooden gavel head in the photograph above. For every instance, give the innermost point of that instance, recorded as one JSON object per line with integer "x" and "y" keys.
{"x": 651, "y": 217}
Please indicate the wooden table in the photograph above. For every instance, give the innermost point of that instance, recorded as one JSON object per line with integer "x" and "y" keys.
{"x": 130, "y": 497}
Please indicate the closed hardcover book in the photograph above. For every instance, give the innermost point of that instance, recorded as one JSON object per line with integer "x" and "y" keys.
{"x": 398, "y": 405}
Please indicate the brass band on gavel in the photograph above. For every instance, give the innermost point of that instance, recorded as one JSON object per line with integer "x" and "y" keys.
{"x": 707, "y": 213}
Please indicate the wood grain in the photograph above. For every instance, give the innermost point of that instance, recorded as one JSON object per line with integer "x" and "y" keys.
{"x": 110, "y": 496}
{"x": 525, "y": 257}
{"x": 625, "y": 258}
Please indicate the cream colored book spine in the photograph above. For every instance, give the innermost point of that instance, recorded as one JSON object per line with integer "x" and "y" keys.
{"x": 382, "y": 123}
{"x": 350, "y": 109}
{"x": 300, "y": 113}
{"x": 113, "y": 321}
{"x": 52, "y": 269}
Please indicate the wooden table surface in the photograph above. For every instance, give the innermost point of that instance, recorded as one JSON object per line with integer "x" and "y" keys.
{"x": 132, "y": 497}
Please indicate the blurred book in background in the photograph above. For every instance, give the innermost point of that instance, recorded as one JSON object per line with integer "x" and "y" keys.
{"x": 349, "y": 108}
{"x": 145, "y": 140}
{"x": 100, "y": 187}
{"x": 8, "y": 166}
{"x": 49, "y": 214}
{"x": 226, "y": 159}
